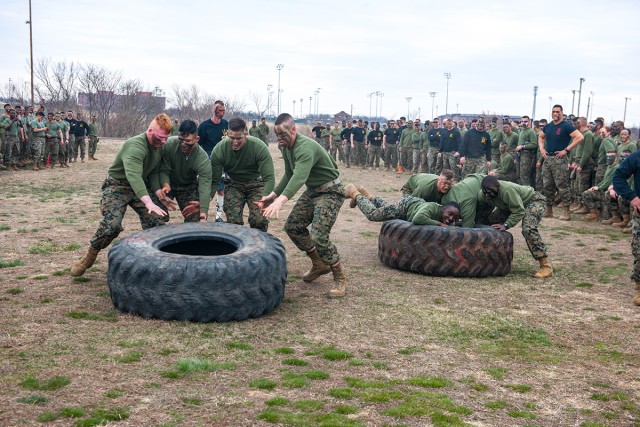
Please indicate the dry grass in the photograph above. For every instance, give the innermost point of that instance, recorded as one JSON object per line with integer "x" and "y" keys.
{"x": 399, "y": 349}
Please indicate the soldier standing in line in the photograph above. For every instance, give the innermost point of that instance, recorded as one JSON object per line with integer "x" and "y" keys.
{"x": 39, "y": 127}
{"x": 93, "y": 138}
{"x": 264, "y": 128}
{"x": 81, "y": 130}
{"x": 475, "y": 150}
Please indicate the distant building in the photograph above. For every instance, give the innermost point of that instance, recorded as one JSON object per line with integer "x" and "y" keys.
{"x": 487, "y": 117}
{"x": 339, "y": 117}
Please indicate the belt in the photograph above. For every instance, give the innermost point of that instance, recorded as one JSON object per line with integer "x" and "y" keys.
{"x": 327, "y": 185}
{"x": 109, "y": 177}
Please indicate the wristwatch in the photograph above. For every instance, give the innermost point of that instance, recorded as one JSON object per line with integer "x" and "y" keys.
{"x": 506, "y": 226}
{"x": 567, "y": 149}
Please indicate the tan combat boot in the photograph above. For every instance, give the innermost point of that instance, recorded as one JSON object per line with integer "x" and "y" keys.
{"x": 85, "y": 262}
{"x": 351, "y": 192}
{"x": 575, "y": 206}
{"x": 636, "y": 300}
{"x": 545, "y": 269}
{"x": 318, "y": 268}
{"x": 548, "y": 213}
{"x": 623, "y": 223}
{"x": 566, "y": 215}
{"x": 365, "y": 192}
{"x": 593, "y": 215}
{"x": 35, "y": 167}
{"x": 581, "y": 210}
{"x": 615, "y": 217}
{"x": 339, "y": 280}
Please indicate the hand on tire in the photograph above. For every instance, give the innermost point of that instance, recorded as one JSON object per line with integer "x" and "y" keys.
{"x": 152, "y": 207}
{"x": 191, "y": 209}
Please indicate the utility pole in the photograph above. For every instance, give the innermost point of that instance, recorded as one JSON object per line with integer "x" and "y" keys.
{"x": 380, "y": 95}
{"x": 573, "y": 100}
{"x": 269, "y": 86}
{"x": 301, "y": 99}
{"x": 593, "y": 96}
{"x": 310, "y": 104}
{"x": 279, "y": 67}
{"x": 624, "y": 116}
{"x": 446, "y": 106}
{"x": 433, "y": 100}
{"x": 294, "y": 108}
{"x": 31, "y": 49}
{"x": 580, "y": 94}
{"x": 535, "y": 94}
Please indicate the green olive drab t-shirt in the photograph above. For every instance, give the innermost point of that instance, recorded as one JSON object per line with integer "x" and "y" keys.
{"x": 137, "y": 162}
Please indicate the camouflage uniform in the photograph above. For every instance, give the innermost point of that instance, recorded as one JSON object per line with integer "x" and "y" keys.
{"x": 391, "y": 155}
{"x": 555, "y": 173}
{"x": 450, "y": 161}
{"x": 78, "y": 145}
{"x": 635, "y": 247}
{"x": 325, "y": 136}
{"x": 237, "y": 194}
{"x": 11, "y": 144}
{"x": 474, "y": 165}
{"x": 320, "y": 210}
{"x": 37, "y": 145}
{"x": 116, "y": 196}
{"x": 379, "y": 209}
{"x": 534, "y": 210}
{"x": 185, "y": 194}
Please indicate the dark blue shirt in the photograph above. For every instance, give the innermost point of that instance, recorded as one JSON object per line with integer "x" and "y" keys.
{"x": 358, "y": 134}
{"x": 210, "y": 134}
{"x": 476, "y": 144}
{"x": 558, "y": 137}
{"x": 450, "y": 140}
{"x": 375, "y": 138}
{"x": 630, "y": 167}
{"x": 392, "y": 135}
{"x": 434, "y": 136}
{"x": 346, "y": 134}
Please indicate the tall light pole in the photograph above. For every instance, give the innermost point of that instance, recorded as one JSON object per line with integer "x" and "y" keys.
{"x": 301, "y": 99}
{"x": 310, "y": 104}
{"x": 580, "y": 94}
{"x": 370, "y": 96}
{"x": 408, "y": 98}
{"x": 535, "y": 94}
{"x": 377, "y": 96}
{"x": 433, "y": 100}
{"x": 446, "y": 105}
{"x": 317, "y": 92}
{"x": 279, "y": 67}
{"x": 624, "y": 116}
{"x": 31, "y": 49}
{"x": 550, "y": 108}
{"x": 380, "y": 95}
{"x": 294, "y": 108}
{"x": 592, "y": 102}
{"x": 269, "y": 86}
{"x": 573, "y": 100}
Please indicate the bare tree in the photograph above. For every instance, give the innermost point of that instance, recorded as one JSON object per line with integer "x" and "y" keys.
{"x": 57, "y": 82}
{"x": 99, "y": 86}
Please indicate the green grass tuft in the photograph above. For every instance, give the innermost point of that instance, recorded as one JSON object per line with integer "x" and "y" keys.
{"x": 72, "y": 412}
{"x": 309, "y": 405}
{"x": 32, "y": 383}
{"x": 192, "y": 401}
{"x": 15, "y": 291}
{"x": 4, "y": 227}
{"x": 520, "y": 388}
{"x": 496, "y": 373}
{"x": 113, "y": 394}
{"x": 316, "y": 375}
{"x": 521, "y": 414}
{"x": 342, "y": 393}
{"x": 277, "y": 401}
{"x": 237, "y": 345}
{"x": 496, "y": 404}
{"x": 11, "y": 264}
{"x": 130, "y": 357}
{"x": 48, "y": 416}
{"x": 284, "y": 350}
{"x": 429, "y": 382}
{"x": 295, "y": 362}
{"x": 81, "y": 279}
{"x": 46, "y": 247}
{"x": 34, "y": 399}
{"x": 263, "y": 384}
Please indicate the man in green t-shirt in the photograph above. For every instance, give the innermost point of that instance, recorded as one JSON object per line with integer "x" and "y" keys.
{"x": 185, "y": 172}
{"x": 248, "y": 163}
{"x": 38, "y": 127}
{"x": 522, "y": 203}
{"x": 264, "y": 128}
{"x": 136, "y": 165}
{"x": 255, "y": 131}
{"x": 413, "y": 209}
{"x": 93, "y": 138}
{"x": 306, "y": 162}
{"x": 11, "y": 153}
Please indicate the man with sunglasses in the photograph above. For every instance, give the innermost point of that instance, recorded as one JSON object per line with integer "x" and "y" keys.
{"x": 185, "y": 172}
{"x": 528, "y": 148}
{"x": 522, "y": 203}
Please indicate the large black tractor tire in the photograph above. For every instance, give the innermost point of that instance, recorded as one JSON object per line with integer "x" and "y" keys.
{"x": 445, "y": 251}
{"x": 200, "y": 272}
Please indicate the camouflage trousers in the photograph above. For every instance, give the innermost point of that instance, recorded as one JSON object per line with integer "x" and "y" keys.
{"x": 237, "y": 195}
{"x": 391, "y": 155}
{"x": 336, "y": 148}
{"x": 379, "y": 210}
{"x": 599, "y": 175}
{"x": 348, "y": 154}
{"x": 583, "y": 180}
{"x": 406, "y": 157}
{"x": 527, "y": 167}
{"x": 116, "y": 196}
{"x": 450, "y": 161}
{"x": 373, "y": 155}
{"x": 53, "y": 147}
{"x": 495, "y": 154}
{"x": 11, "y": 149}
{"x": 555, "y": 177}
{"x": 361, "y": 154}
{"x": 434, "y": 162}
{"x": 64, "y": 152}
{"x": 318, "y": 209}
{"x": 185, "y": 194}
{"x": 78, "y": 144}
{"x": 596, "y": 200}
{"x": 418, "y": 159}
{"x": 532, "y": 216}
{"x": 38, "y": 149}
{"x": 25, "y": 146}
{"x": 635, "y": 247}
{"x": 93, "y": 145}
{"x": 539, "y": 181}
{"x": 474, "y": 165}
{"x": 326, "y": 144}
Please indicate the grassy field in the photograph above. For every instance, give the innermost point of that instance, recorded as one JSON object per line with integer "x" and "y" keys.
{"x": 399, "y": 349}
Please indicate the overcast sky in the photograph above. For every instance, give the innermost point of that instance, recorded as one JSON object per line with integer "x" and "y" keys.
{"x": 495, "y": 51}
